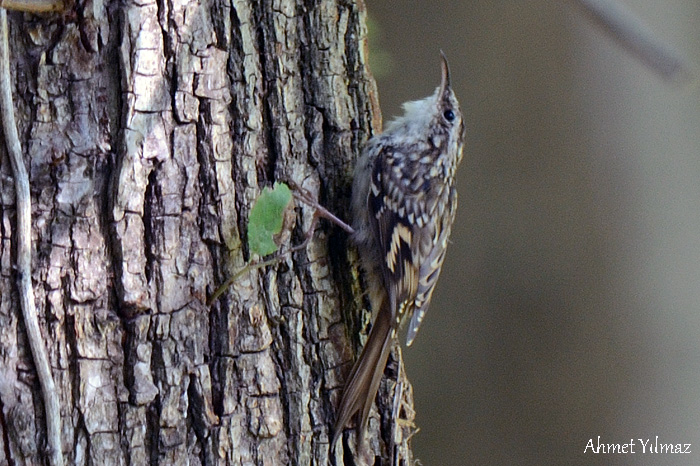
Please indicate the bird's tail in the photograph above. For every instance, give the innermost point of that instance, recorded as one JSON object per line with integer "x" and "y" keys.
{"x": 363, "y": 382}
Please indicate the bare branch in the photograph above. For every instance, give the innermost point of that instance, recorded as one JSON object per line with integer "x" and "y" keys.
{"x": 24, "y": 252}
{"x": 636, "y": 37}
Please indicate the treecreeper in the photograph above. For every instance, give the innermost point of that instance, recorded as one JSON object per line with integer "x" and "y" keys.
{"x": 403, "y": 205}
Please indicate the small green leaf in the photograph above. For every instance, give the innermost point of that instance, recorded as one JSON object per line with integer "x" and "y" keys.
{"x": 267, "y": 219}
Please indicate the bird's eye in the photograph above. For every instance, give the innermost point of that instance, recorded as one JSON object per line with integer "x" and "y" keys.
{"x": 449, "y": 115}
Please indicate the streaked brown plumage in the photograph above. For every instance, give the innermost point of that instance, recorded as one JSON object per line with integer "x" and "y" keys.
{"x": 404, "y": 203}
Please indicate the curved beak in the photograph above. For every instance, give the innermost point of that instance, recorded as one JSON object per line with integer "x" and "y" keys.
{"x": 445, "y": 83}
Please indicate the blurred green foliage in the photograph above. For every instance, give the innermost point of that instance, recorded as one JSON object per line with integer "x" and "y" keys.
{"x": 380, "y": 60}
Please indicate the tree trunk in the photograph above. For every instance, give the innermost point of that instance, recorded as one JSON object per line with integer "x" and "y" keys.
{"x": 149, "y": 128}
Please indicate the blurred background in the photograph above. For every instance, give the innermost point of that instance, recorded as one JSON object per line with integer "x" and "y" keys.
{"x": 569, "y": 303}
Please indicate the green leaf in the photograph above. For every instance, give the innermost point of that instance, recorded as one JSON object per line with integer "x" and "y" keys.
{"x": 267, "y": 219}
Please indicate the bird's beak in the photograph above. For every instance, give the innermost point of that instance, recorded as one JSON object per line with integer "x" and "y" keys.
{"x": 445, "y": 84}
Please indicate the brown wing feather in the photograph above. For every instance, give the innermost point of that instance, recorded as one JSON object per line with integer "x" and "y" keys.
{"x": 395, "y": 236}
{"x": 431, "y": 265}
{"x": 405, "y": 215}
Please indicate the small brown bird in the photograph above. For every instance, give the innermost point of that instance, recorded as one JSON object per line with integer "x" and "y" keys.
{"x": 403, "y": 202}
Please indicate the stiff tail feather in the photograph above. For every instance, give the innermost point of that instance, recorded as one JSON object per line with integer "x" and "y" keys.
{"x": 363, "y": 382}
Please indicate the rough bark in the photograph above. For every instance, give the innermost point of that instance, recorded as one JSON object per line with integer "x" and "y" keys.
{"x": 149, "y": 128}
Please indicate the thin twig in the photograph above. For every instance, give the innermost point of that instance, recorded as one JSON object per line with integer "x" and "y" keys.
{"x": 248, "y": 268}
{"x": 24, "y": 252}
{"x": 636, "y": 37}
{"x": 306, "y": 197}
{"x": 319, "y": 211}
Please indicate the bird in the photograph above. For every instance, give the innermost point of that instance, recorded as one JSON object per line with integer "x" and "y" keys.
{"x": 404, "y": 202}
